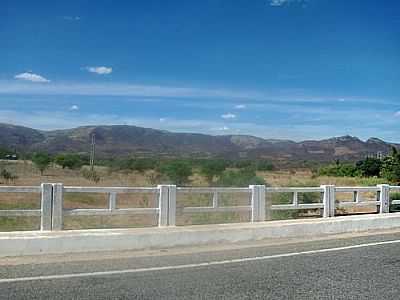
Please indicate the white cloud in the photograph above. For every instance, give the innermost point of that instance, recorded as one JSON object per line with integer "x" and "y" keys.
{"x": 72, "y": 18}
{"x": 240, "y": 106}
{"x": 277, "y": 2}
{"x": 162, "y": 120}
{"x": 223, "y": 128}
{"x": 74, "y": 108}
{"x": 228, "y": 116}
{"x": 283, "y": 2}
{"x": 99, "y": 70}
{"x": 31, "y": 77}
{"x": 397, "y": 114}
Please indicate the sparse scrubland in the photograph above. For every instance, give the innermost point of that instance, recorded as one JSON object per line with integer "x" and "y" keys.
{"x": 73, "y": 170}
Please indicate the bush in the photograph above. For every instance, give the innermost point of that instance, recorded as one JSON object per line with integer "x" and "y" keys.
{"x": 339, "y": 170}
{"x": 8, "y": 176}
{"x": 142, "y": 164}
{"x": 91, "y": 175}
{"x": 70, "y": 161}
{"x": 369, "y": 167}
{"x": 391, "y": 167}
{"x": 243, "y": 177}
{"x": 212, "y": 168}
{"x": 177, "y": 171}
{"x": 264, "y": 165}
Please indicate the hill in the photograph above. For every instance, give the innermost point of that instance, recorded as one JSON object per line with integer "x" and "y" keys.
{"x": 124, "y": 140}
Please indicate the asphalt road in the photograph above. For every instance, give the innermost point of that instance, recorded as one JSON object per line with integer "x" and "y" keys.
{"x": 345, "y": 267}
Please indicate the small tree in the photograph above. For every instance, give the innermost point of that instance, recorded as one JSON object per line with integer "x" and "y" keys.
{"x": 391, "y": 166}
{"x": 70, "y": 161}
{"x": 41, "y": 161}
{"x": 369, "y": 167}
{"x": 177, "y": 171}
{"x": 212, "y": 168}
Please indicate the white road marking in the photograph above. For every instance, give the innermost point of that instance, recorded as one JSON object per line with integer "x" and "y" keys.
{"x": 188, "y": 266}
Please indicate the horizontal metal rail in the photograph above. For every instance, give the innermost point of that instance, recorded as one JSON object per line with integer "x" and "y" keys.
{"x": 358, "y": 204}
{"x": 20, "y": 189}
{"x": 108, "y": 212}
{"x": 208, "y": 209}
{"x": 294, "y": 189}
{"x": 299, "y": 206}
{"x": 205, "y": 190}
{"x": 356, "y": 189}
{"x": 20, "y": 213}
{"x": 107, "y": 190}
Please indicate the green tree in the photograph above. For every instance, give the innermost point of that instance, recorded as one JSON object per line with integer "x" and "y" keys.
{"x": 177, "y": 171}
{"x": 41, "y": 161}
{"x": 70, "y": 161}
{"x": 212, "y": 168}
{"x": 369, "y": 167}
{"x": 391, "y": 166}
{"x": 264, "y": 165}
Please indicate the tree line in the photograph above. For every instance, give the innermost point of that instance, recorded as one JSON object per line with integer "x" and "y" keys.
{"x": 388, "y": 168}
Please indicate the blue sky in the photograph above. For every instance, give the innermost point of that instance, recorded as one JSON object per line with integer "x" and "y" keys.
{"x": 291, "y": 69}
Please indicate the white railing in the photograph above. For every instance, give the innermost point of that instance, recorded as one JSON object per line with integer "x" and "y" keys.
{"x": 259, "y": 205}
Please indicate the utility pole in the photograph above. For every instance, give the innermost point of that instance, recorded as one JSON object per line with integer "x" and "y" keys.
{"x": 92, "y": 152}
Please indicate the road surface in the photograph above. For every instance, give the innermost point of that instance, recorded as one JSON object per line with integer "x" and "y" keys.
{"x": 342, "y": 267}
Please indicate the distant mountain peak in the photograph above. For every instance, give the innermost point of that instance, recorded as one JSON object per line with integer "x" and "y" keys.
{"x": 127, "y": 140}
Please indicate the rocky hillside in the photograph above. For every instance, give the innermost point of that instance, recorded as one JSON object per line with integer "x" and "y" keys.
{"x": 122, "y": 140}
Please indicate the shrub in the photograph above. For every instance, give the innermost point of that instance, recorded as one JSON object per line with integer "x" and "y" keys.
{"x": 212, "y": 168}
{"x": 91, "y": 175}
{"x": 369, "y": 167}
{"x": 264, "y": 165}
{"x": 339, "y": 170}
{"x": 243, "y": 177}
{"x": 70, "y": 161}
{"x": 8, "y": 176}
{"x": 391, "y": 167}
{"x": 177, "y": 171}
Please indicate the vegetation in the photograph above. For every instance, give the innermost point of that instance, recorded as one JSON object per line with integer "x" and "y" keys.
{"x": 241, "y": 177}
{"x": 213, "y": 168}
{"x": 388, "y": 168}
{"x": 41, "y": 160}
{"x": 8, "y": 176}
{"x": 177, "y": 171}
{"x": 70, "y": 161}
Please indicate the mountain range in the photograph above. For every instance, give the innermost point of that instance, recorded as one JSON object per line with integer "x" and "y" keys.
{"x": 124, "y": 140}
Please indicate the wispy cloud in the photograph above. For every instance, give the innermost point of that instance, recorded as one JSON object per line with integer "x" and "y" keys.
{"x": 100, "y": 70}
{"x": 228, "y": 116}
{"x": 283, "y": 2}
{"x": 74, "y": 108}
{"x": 240, "y": 106}
{"x": 277, "y": 2}
{"x": 397, "y": 114}
{"x": 28, "y": 76}
{"x": 72, "y": 18}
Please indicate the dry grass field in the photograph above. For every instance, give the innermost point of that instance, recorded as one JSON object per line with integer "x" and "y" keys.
{"x": 28, "y": 175}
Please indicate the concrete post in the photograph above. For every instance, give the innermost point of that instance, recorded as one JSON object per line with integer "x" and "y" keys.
{"x": 58, "y": 199}
{"x": 163, "y": 205}
{"x": 384, "y": 198}
{"x": 171, "y": 205}
{"x": 112, "y": 201}
{"x": 328, "y": 200}
{"x": 257, "y": 203}
{"x": 46, "y": 206}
